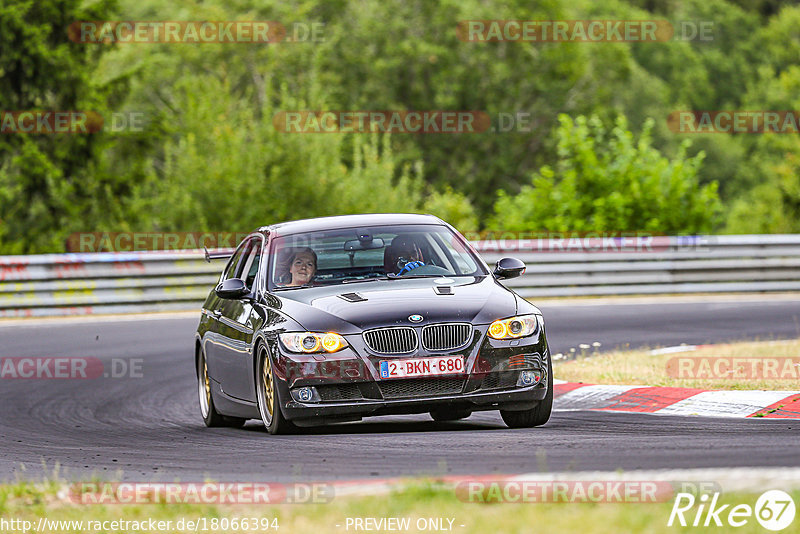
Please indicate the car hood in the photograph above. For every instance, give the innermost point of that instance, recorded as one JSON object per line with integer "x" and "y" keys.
{"x": 476, "y": 300}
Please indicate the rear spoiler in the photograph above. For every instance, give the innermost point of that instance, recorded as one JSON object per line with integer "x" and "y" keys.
{"x": 218, "y": 254}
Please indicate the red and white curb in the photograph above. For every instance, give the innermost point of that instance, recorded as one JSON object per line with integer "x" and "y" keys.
{"x": 677, "y": 401}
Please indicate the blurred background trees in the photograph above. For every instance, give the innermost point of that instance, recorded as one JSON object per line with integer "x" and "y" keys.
{"x": 595, "y": 155}
{"x": 605, "y": 180}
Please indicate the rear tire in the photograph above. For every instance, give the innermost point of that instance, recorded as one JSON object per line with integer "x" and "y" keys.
{"x": 450, "y": 415}
{"x": 208, "y": 411}
{"x": 269, "y": 404}
{"x": 535, "y": 416}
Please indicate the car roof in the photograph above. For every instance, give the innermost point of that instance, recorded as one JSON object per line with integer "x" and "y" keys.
{"x": 347, "y": 221}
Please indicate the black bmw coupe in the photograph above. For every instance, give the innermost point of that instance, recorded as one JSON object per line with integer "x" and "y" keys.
{"x": 333, "y": 319}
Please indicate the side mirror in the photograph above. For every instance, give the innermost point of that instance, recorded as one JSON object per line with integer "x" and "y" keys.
{"x": 508, "y": 268}
{"x": 232, "y": 288}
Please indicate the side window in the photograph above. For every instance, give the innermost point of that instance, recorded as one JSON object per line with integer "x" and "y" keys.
{"x": 231, "y": 270}
{"x": 252, "y": 260}
{"x": 454, "y": 249}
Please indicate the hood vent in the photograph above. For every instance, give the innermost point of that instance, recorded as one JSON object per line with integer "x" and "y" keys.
{"x": 352, "y": 297}
{"x": 443, "y": 290}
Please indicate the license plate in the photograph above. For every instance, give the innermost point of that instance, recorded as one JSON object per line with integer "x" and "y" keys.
{"x": 445, "y": 365}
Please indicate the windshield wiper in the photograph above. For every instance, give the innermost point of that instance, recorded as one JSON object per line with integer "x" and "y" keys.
{"x": 289, "y": 288}
{"x": 407, "y": 276}
{"x": 370, "y": 279}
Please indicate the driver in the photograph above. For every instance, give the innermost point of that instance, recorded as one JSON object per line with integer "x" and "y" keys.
{"x": 403, "y": 255}
{"x": 298, "y": 267}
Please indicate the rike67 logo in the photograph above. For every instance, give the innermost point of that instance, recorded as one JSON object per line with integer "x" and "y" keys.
{"x": 774, "y": 510}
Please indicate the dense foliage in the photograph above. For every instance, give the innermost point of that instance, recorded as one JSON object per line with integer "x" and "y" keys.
{"x": 594, "y": 152}
{"x": 606, "y": 181}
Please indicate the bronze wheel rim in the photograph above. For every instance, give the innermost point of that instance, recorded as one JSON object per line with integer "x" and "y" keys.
{"x": 204, "y": 389}
{"x": 268, "y": 391}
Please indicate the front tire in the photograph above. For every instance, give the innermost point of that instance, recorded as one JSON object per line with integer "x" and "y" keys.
{"x": 535, "y": 416}
{"x": 208, "y": 411}
{"x": 268, "y": 396}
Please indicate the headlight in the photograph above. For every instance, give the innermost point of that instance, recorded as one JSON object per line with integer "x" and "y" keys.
{"x": 514, "y": 327}
{"x": 313, "y": 342}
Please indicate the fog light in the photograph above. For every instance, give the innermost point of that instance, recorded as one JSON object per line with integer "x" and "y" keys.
{"x": 306, "y": 394}
{"x": 529, "y": 378}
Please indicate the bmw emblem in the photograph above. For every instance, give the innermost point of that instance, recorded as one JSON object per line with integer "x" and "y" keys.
{"x": 415, "y": 318}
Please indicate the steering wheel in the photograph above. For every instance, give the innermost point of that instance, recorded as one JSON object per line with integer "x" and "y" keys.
{"x": 408, "y": 267}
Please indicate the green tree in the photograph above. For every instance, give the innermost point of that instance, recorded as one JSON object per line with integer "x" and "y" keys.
{"x": 46, "y": 181}
{"x": 772, "y": 206}
{"x": 228, "y": 168}
{"x": 768, "y": 198}
{"x": 606, "y": 180}
{"x": 453, "y": 207}
{"x": 408, "y": 55}
{"x": 210, "y": 157}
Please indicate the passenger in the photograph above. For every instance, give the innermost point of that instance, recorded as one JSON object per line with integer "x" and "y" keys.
{"x": 299, "y": 267}
{"x": 403, "y": 255}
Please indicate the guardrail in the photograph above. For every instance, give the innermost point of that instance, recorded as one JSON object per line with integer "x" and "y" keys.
{"x": 73, "y": 284}
{"x": 693, "y": 264}
{"x": 104, "y": 282}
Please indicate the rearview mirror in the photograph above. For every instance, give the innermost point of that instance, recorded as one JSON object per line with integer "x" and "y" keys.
{"x": 232, "y": 288}
{"x": 363, "y": 244}
{"x": 508, "y": 268}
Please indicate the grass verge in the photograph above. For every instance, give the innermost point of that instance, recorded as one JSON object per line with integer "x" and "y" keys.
{"x": 772, "y": 365}
{"x": 418, "y": 500}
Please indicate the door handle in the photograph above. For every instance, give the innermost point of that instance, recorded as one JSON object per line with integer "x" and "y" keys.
{"x": 216, "y": 314}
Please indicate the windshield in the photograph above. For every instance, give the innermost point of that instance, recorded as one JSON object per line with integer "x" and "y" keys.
{"x": 369, "y": 253}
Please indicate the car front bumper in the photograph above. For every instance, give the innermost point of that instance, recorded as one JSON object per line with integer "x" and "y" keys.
{"x": 349, "y": 386}
{"x": 316, "y": 413}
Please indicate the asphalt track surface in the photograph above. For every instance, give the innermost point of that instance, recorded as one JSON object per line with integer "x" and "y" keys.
{"x": 148, "y": 428}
